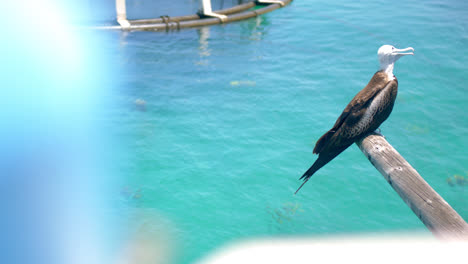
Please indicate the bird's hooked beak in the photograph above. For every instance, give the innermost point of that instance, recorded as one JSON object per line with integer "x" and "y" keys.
{"x": 403, "y": 52}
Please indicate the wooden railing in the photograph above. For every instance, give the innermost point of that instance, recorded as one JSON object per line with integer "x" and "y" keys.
{"x": 438, "y": 216}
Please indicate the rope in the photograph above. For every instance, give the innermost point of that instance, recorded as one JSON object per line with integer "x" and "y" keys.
{"x": 166, "y": 19}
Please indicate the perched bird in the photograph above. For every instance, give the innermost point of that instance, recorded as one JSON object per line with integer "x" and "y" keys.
{"x": 364, "y": 114}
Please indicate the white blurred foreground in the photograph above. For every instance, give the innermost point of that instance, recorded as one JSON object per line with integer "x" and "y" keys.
{"x": 354, "y": 249}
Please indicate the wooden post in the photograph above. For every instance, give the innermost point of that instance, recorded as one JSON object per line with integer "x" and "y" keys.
{"x": 438, "y": 216}
{"x": 121, "y": 11}
{"x": 207, "y": 11}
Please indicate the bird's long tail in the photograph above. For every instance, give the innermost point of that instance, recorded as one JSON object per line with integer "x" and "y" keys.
{"x": 319, "y": 163}
{"x": 302, "y": 185}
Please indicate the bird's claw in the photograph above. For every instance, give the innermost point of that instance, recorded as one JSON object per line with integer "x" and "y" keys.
{"x": 379, "y": 132}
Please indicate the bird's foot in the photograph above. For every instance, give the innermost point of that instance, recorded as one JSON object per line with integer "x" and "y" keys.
{"x": 379, "y": 132}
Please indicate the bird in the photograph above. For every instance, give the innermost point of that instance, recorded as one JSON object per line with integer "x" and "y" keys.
{"x": 364, "y": 114}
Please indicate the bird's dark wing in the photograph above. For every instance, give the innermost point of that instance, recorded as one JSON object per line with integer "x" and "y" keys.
{"x": 354, "y": 110}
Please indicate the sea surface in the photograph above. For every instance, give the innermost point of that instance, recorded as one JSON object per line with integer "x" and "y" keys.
{"x": 213, "y": 126}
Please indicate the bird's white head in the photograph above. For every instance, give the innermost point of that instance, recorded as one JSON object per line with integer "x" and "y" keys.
{"x": 388, "y": 55}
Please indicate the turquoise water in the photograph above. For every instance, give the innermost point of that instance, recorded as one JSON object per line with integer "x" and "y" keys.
{"x": 232, "y": 113}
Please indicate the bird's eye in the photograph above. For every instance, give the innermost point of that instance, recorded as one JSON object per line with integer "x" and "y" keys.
{"x": 393, "y": 48}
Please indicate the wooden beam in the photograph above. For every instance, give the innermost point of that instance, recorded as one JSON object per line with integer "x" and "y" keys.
{"x": 438, "y": 216}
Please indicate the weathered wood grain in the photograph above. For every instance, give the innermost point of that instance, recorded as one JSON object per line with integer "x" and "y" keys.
{"x": 438, "y": 216}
